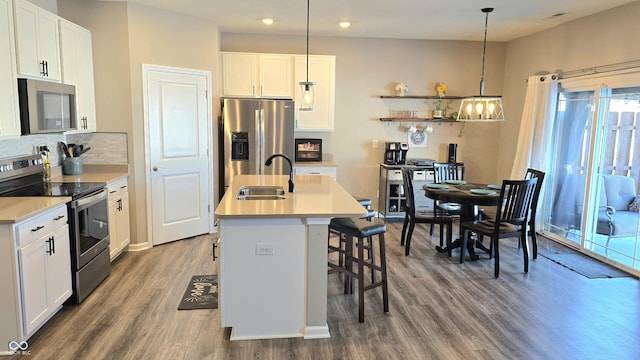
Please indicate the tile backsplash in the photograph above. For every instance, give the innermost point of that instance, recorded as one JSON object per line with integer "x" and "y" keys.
{"x": 106, "y": 148}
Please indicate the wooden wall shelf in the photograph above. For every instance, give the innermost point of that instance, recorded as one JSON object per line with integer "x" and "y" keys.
{"x": 390, "y": 119}
{"x": 434, "y": 97}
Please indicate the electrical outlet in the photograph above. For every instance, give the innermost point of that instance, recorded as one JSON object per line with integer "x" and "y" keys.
{"x": 265, "y": 249}
{"x": 374, "y": 143}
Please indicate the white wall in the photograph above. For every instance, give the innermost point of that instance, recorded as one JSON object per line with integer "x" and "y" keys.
{"x": 368, "y": 68}
{"x": 124, "y": 37}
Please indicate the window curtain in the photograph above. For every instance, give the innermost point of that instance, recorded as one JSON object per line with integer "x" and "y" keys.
{"x": 536, "y": 126}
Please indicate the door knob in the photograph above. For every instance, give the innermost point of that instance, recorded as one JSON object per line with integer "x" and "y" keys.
{"x": 156, "y": 168}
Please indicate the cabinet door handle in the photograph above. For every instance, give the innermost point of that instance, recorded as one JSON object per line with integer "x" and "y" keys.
{"x": 123, "y": 187}
{"x": 253, "y": 90}
{"x": 214, "y": 252}
{"x": 37, "y": 228}
{"x": 53, "y": 244}
{"x": 42, "y": 72}
{"x": 314, "y": 173}
{"x": 261, "y": 90}
{"x": 49, "y": 242}
{"x": 58, "y": 217}
{"x": 119, "y": 204}
{"x": 46, "y": 68}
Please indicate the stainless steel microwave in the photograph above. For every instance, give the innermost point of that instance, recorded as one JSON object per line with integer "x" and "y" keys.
{"x": 46, "y": 107}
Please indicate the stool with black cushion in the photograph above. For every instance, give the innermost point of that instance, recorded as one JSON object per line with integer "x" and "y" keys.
{"x": 361, "y": 229}
{"x": 366, "y": 203}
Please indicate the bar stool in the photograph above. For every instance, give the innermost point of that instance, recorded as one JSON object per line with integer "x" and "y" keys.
{"x": 366, "y": 203}
{"x": 361, "y": 229}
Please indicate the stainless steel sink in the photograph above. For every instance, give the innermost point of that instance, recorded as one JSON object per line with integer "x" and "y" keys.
{"x": 261, "y": 193}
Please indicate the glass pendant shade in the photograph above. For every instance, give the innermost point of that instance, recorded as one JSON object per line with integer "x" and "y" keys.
{"x": 307, "y": 89}
{"x": 481, "y": 108}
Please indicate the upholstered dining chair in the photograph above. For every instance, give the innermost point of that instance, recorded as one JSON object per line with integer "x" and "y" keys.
{"x": 537, "y": 174}
{"x": 510, "y": 221}
{"x": 413, "y": 217}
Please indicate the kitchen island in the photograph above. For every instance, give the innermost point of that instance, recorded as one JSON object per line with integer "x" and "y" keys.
{"x": 272, "y": 278}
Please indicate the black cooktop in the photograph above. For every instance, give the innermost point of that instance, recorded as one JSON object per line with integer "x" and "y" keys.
{"x": 73, "y": 189}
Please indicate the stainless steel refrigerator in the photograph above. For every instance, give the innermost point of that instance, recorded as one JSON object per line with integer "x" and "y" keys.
{"x": 252, "y": 130}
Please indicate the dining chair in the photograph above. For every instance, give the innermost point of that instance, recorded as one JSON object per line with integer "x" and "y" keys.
{"x": 413, "y": 217}
{"x": 442, "y": 172}
{"x": 537, "y": 174}
{"x": 510, "y": 221}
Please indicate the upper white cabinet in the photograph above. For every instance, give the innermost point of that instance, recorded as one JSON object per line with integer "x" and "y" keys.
{"x": 322, "y": 71}
{"x": 257, "y": 75}
{"x": 9, "y": 115}
{"x": 77, "y": 69}
{"x": 37, "y": 41}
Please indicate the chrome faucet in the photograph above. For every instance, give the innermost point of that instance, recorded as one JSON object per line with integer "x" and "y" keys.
{"x": 270, "y": 160}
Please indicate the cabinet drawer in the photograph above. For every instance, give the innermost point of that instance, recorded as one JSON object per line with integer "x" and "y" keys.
{"x": 41, "y": 225}
{"x": 117, "y": 188}
{"x": 316, "y": 170}
{"x": 394, "y": 174}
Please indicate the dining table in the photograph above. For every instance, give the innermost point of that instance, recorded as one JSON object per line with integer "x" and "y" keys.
{"x": 470, "y": 196}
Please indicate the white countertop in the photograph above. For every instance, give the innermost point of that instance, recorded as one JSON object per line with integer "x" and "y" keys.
{"x": 16, "y": 209}
{"x": 314, "y": 196}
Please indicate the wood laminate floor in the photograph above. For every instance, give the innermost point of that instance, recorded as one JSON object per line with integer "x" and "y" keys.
{"x": 439, "y": 310}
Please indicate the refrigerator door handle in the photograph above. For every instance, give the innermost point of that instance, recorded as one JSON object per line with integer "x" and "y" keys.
{"x": 258, "y": 141}
{"x": 263, "y": 155}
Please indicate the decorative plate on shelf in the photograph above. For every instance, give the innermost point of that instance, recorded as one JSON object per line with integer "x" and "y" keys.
{"x": 417, "y": 138}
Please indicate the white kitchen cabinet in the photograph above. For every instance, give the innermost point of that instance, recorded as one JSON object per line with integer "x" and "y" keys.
{"x": 36, "y": 272}
{"x": 37, "y": 41}
{"x": 119, "y": 228}
{"x": 9, "y": 115}
{"x": 257, "y": 75}
{"x": 45, "y": 277}
{"x": 315, "y": 170}
{"x": 77, "y": 69}
{"x": 322, "y": 71}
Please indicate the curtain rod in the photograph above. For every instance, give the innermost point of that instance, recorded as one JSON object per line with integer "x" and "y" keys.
{"x": 598, "y": 69}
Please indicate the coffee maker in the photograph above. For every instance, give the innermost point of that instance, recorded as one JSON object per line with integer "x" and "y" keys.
{"x": 395, "y": 153}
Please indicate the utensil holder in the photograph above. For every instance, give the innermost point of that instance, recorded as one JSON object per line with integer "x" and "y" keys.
{"x": 72, "y": 166}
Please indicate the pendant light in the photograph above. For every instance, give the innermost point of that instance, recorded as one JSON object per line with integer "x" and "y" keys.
{"x": 482, "y": 108}
{"x": 307, "y": 87}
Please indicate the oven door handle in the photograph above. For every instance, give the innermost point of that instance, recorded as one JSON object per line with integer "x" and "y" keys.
{"x": 91, "y": 199}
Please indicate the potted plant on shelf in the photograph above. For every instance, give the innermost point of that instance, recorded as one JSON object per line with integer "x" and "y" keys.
{"x": 441, "y": 106}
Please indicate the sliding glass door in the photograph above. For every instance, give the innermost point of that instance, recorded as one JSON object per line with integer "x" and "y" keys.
{"x": 595, "y": 174}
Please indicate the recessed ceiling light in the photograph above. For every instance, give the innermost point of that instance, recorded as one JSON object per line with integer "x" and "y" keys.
{"x": 344, "y": 24}
{"x": 267, "y": 21}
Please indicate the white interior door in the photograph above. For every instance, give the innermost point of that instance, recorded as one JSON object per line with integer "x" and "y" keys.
{"x": 178, "y": 114}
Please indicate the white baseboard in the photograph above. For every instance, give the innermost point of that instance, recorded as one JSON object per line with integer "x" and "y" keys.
{"x": 140, "y": 246}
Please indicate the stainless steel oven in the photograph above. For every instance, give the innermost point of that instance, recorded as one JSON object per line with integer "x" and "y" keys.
{"x": 89, "y": 234}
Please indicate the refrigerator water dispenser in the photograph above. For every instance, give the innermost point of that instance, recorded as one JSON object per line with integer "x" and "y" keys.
{"x": 240, "y": 146}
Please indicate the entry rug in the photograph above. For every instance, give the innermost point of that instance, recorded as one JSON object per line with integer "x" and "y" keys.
{"x": 202, "y": 293}
{"x": 584, "y": 265}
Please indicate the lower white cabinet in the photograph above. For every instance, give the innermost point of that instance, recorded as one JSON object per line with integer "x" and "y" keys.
{"x": 35, "y": 273}
{"x": 119, "y": 228}
{"x": 45, "y": 277}
{"x": 315, "y": 170}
